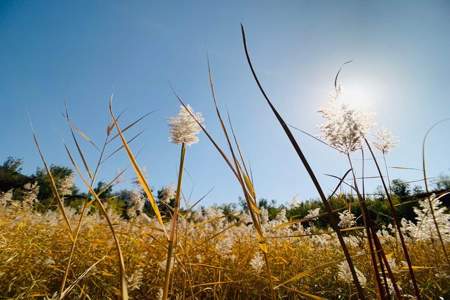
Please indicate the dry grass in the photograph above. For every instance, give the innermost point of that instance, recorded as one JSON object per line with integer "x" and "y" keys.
{"x": 34, "y": 250}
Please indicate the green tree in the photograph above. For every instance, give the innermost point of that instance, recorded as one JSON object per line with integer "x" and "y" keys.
{"x": 443, "y": 183}
{"x": 11, "y": 176}
{"x": 60, "y": 175}
{"x": 105, "y": 190}
{"x": 400, "y": 188}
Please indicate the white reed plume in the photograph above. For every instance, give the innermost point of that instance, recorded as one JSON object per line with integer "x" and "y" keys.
{"x": 257, "y": 263}
{"x": 65, "y": 187}
{"x": 345, "y": 275}
{"x": 6, "y": 198}
{"x": 167, "y": 193}
{"x": 183, "y": 127}
{"x": 346, "y": 219}
{"x": 136, "y": 203}
{"x": 30, "y": 195}
{"x": 343, "y": 126}
{"x": 424, "y": 228}
{"x": 313, "y": 214}
{"x": 384, "y": 141}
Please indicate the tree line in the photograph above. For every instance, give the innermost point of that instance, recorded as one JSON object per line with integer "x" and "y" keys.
{"x": 20, "y": 186}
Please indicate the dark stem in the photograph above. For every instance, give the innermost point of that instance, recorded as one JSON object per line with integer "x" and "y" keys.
{"x": 332, "y": 216}
{"x": 367, "y": 222}
{"x": 397, "y": 223}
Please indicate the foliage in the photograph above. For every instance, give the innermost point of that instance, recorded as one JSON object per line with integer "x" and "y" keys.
{"x": 11, "y": 176}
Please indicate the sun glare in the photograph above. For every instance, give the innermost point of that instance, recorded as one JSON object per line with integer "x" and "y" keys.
{"x": 360, "y": 94}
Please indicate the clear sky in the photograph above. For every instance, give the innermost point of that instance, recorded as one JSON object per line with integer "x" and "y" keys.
{"x": 84, "y": 51}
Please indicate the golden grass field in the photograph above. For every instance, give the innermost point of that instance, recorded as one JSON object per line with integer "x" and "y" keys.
{"x": 213, "y": 260}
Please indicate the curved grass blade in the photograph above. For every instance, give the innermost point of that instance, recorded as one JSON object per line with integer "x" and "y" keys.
{"x": 140, "y": 176}
{"x": 123, "y": 277}
{"x": 53, "y": 186}
{"x": 307, "y": 167}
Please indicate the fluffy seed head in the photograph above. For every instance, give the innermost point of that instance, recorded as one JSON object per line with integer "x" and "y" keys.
{"x": 343, "y": 126}
{"x": 345, "y": 275}
{"x": 257, "y": 262}
{"x": 167, "y": 193}
{"x": 346, "y": 219}
{"x": 384, "y": 141}
{"x": 313, "y": 214}
{"x": 66, "y": 185}
{"x": 184, "y": 128}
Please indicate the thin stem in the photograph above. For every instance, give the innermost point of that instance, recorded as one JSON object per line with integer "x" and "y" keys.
{"x": 72, "y": 250}
{"x": 397, "y": 223}
{"x": 424, "y": 168}
{"x": 386, "y": 263}
{"x": 387, "y": 171}
{"x": 367, "y": 225}
{"x": 390, "y": 188}
{"x": 78, "y": 228}
{"x": 172, "y": 240}
{"x": 333, "y": 220}
{"x": 123, "y": 281}
{"x": 54, "y": 187}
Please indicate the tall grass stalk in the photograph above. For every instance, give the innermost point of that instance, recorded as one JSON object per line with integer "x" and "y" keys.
{"x": 332, "y": 216}
{"x": 100, "y": 161}
{"x": 172, "y": 241}
{"x": 243, "y": 178}
{"x": 139, "y": 174}
{"x": 384, "y": 261}
{"x": 86, "y": 204}
{"x": 54, "y": 188}
{"x": 396, "y": 221}
{"x": 425, "y": 180}
{"x": 367, "y": 224}
{"x": 122, "y": 271}
{"x": 246, "y": 182}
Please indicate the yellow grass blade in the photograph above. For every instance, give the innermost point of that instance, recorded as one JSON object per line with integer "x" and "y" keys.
{"x": 53, "y": 187}
{"x": 304, "y": 274}
{"x": 418, "y": 268}
{"x": 352, "y": 228}
{"x": 75, "y": 282}
{"x": 140, "y": 176}
{"x": 123, "y": 276}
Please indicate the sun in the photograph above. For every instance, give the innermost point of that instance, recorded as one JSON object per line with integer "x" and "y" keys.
{"x": 360, "y": 94}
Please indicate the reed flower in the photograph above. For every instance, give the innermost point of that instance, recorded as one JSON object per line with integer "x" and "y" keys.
{"x": 281, "y": 216}
{"x": 384, "y": 141}
{"x": 295, "y": 202}
{"x": 346, "y": 219}
{"x": 257, "y": 262}
{"x": 167, "y": 193}
{"x": 343, "y": 126}
{"x": 66, "y": 185}
{"x": 424, "y": 228}
{"x": 135, "y": 280}
{"x": 136, "y": 202}
{"x": 264, "y": 215}
{"x": 345, "y": 275}
{"x": 6, "y": 198}
{"x": 184, "y": 128}
{"x": 30, "y": 195}
{"x": 313, "y": 214}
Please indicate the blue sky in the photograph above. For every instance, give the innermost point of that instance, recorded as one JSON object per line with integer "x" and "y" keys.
{"x": 84, "y": 51}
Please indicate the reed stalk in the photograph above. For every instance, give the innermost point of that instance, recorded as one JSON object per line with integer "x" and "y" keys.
{"x": 172, "y": 240}
{"x": 332, "y": 216}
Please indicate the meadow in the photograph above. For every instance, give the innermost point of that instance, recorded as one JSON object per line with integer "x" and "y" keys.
{"x": 170, "y": 251}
